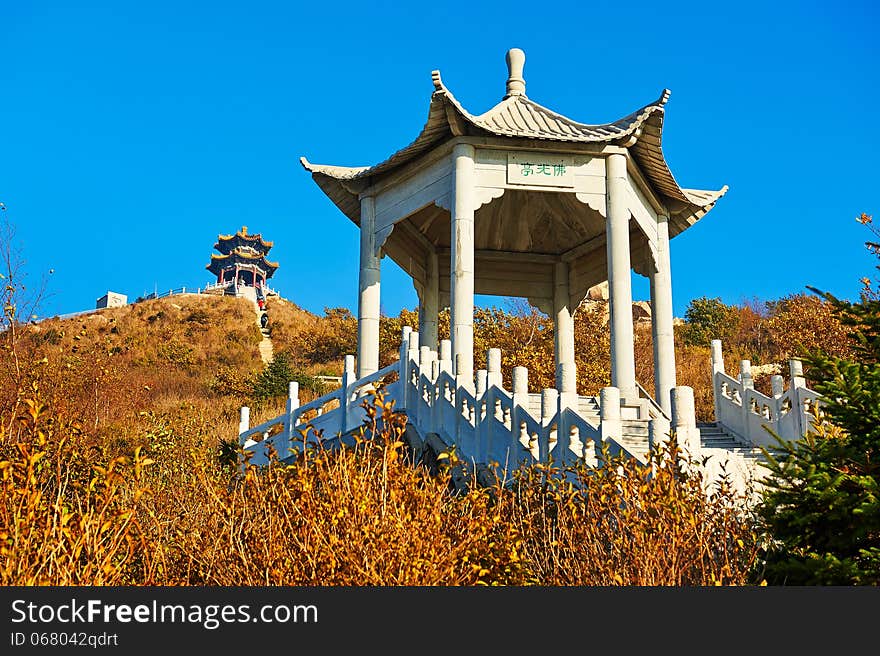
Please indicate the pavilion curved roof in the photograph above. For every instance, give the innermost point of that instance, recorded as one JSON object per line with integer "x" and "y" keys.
{"x": 225, "y": 243}
{"x": 520, "y": 117}
{"x": 219, "y": 262}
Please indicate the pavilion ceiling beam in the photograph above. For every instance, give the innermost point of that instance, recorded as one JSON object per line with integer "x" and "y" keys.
{"x": 505, "y": 256}
{"x": 583, "y": 249}
{"x": 557, "y": 209}
{"x": 433, "y": 214}
{"x": 581, "y": 213}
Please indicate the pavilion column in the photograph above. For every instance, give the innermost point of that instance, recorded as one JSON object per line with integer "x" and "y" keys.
{"x": 368, "y": 297}
{"x": 462, "y": 264}
{"x": 623, "y": 366}
{"x": 566, "y": 372}
{"x": 429, "y": 306}
{"x": 661, "y": 314}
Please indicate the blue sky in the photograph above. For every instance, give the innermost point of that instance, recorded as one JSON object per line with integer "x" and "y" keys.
{"x": 133, "y": 133}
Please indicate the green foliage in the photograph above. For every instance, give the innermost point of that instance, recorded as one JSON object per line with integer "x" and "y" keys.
{"x": 273, "y": 381}
{"x": 822, "y": 506}
{"x": 708, "y": 319}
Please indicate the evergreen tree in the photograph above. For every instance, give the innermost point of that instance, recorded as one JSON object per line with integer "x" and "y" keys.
{"x": 822, "y": 506}
{"x": 273, "y": 381}
{"x": 708, "y": 319}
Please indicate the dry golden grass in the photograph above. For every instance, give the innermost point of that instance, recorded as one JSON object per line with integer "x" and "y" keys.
{"x": 112, "y": 473}
{"x": 171, "y": 513}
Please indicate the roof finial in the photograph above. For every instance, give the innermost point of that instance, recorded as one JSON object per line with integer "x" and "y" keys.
{"x": 516, "y": 84}
{"x": 243, "y": 230}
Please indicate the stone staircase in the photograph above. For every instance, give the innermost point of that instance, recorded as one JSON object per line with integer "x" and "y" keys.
{"x": 266, "y": 349}
{"x": 634, "y": 436}
{"x": 714, "y": 436}
{"x": 723, "y": 451}
{"x": 588, "y": 407}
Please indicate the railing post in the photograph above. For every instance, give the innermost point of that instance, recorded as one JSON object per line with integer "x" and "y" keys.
{"x": 609, "y": 414}
{"x": 796, "y": 384}
{"x": 684, "y": 420}
{"x": 482, "y": 382}
{"x": 348, "y": 378}
{"x": 493, "y": 366}
{"x": 483, "y": 425}
{"x": 717, "y": 367}
{"x": 403, "y": 369}
{"x": 446, "y": 356}
{"x": 777, "y": 385}
{"x": 426, "y": 386}
{"x": 292, "y": 405}
{"x": 547, "y": 441}
{"x": 658, "y": 429}
{"x": 745, "y": 379}
{"x": 244, "y": 421}
{"x": 434, "y": 395}
{"x": 520, "y": 407}
{"x": 568, "y": 399}
{"x": 412, "y": 358}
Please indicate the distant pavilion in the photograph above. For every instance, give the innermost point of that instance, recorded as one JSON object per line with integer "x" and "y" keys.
{"x": 522, "y": 201}
{"x": 242, "y": 260}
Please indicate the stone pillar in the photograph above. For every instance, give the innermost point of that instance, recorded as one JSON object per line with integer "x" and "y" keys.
{"x": 429, "y": 306}
{"x": 684, "y": 420}
{"x": 623, "y": 366}
{"x": 717, "y": 368}
{"x": 462, "y": 265}
{"x": 368, "y": 298}
{"x": 661, "y": 320}
{"x": 609, "y": 413}
{"x": 566, "y": 372}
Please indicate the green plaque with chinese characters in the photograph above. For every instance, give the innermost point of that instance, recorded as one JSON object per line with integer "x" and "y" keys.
{"x": 541, "y": 170}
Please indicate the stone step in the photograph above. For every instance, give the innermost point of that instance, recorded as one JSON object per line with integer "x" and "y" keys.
{"x": 634, "y": 428}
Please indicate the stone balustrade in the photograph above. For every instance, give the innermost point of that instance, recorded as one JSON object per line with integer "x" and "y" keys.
{"x": 752, "y": 416}
{"x": 486, "y": 423}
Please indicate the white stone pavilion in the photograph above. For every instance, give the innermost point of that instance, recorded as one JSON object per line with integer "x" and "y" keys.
{"x": 522, "y": 201}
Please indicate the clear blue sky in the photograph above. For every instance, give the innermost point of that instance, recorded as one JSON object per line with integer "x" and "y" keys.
{"x": 132, "y": 134}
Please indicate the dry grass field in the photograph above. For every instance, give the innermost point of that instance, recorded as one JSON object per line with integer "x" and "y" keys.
{"x": 115, "y": 458}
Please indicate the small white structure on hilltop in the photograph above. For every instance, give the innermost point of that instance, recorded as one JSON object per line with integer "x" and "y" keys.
{"x": 111, "y": 299}
{"x": 517, "y": 201}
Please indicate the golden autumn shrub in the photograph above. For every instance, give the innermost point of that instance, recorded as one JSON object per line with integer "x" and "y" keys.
{"x": 630, "y": 524}
{"x": 69, "y": 515}
{"x": 360, "y": 515}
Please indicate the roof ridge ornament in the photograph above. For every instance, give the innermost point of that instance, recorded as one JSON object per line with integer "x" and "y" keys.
{"x": 435, "y": 78}
{"x": 516, "y": 84}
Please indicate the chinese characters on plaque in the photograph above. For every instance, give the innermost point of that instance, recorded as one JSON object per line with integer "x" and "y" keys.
{"x": 540, "y": 170}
